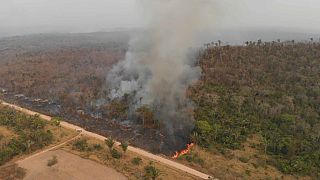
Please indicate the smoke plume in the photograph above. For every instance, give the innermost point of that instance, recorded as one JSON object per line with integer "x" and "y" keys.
{"x": 158, "y": 67}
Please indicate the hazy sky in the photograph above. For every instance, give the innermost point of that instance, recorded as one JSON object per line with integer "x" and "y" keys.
{"x": 36, "y": 16}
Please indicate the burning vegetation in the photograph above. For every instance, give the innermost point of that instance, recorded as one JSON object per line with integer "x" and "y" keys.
{"x": 183, "y": 152}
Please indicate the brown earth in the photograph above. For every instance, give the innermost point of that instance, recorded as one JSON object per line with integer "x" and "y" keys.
{"x": 125, "y": 165}
{"x": 68, "y": 167}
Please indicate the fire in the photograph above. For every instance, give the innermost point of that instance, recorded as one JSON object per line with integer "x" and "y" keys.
{"x": 183, "y": 152}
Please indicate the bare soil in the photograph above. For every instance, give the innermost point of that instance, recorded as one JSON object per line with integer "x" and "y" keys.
{"x": 124, "y": 164}
{"x": 68, "y": 167}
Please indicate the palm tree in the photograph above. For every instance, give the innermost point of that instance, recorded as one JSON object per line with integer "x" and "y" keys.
{"x": 124, "y": 146}
{"x": 152, "y": 172}
{"x": 110, "y": 142}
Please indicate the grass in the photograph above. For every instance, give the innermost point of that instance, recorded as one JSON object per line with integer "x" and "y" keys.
{"x": 236, "y": 164}
{"x": 244, "y": 159}
{"x": 136, "y": 161}
{"x": 12, "y": 172}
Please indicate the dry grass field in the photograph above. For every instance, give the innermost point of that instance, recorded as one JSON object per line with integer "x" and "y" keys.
{"x": 244, "y": 163}
{"x": 67, "y": 166}
{"x": 128, "y": 162}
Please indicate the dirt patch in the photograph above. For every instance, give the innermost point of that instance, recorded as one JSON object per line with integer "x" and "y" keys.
{"x": 69, "y": 166}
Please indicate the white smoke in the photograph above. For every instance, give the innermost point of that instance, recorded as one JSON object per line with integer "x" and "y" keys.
{"x": 158, "y": 67}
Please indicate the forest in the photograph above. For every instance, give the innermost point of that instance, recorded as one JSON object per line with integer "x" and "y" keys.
{"x": 269, "y": 89}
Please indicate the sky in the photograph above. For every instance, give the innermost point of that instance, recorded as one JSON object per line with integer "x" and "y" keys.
{"x": 43, "y": 16}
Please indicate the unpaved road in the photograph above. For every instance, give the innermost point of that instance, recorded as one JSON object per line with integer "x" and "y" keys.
{"x": 130, "y": 148}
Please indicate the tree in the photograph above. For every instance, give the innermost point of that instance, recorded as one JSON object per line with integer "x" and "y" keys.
{"x": 115, "y": 154}
{"x": 152, "y": 172}
{"x": 124, "y": 146}
{"x": 203, "y": 127}
{"x": 56, "y": 121}
{"x": 110, "y": 142}
{"x": 147, "y": 116}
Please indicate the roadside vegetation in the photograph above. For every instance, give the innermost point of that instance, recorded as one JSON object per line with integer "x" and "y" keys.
{"x": 25, "y": 134}
{"x": 268, "y": 90}
{"x": 30, "y": 131}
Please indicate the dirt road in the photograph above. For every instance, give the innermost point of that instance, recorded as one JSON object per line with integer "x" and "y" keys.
{"x": 130, "y": 148}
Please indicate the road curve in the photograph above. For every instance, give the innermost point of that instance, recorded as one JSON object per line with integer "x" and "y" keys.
{"x": 130, "y": 148}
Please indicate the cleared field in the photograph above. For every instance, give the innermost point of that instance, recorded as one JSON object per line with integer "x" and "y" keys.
{"x": 129, "y": 163}
{"x": 68, "y": 166}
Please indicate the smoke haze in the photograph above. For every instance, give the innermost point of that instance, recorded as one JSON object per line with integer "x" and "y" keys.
{"x": 157, "y": 69}
{"x": 19, "y": 17}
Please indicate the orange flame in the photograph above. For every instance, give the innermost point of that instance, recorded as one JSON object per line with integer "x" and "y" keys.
{"x": 183, "y": 152}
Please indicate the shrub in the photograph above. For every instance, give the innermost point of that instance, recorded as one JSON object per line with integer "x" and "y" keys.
{"x": 97, "y": 147}
{"x": 80, "y": 144}
{"x": 193, "y": 158}
{"x": 115, "y": 154}
{"x": 152, "y": 172}
{"x": 136, "y": 161}
{"x": 110, "y": 142}
{"x": 244, "y": 159}
{"x": 124, "y": 146}
{"x": 52, "y": 161}
{"x": 248, "y": 172}
{"x": 56, "y": 121}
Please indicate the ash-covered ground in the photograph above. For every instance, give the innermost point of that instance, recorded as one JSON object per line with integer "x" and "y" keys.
{"x": 149, "y": 139}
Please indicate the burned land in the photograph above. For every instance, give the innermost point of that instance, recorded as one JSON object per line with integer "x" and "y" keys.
{"x": 266, "y": 89}
{"x": 65, "y": 75}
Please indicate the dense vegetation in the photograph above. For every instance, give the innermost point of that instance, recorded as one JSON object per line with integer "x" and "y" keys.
{"x": 31, "y": 134}
{"x": 269, "y": 89}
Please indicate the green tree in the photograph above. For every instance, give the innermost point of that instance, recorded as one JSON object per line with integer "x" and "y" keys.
{"x": 124, "y": 146}
{"x": 152, "y": 172}
{"x": 56, "y": 121}
{"x": 110, "y": 142}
